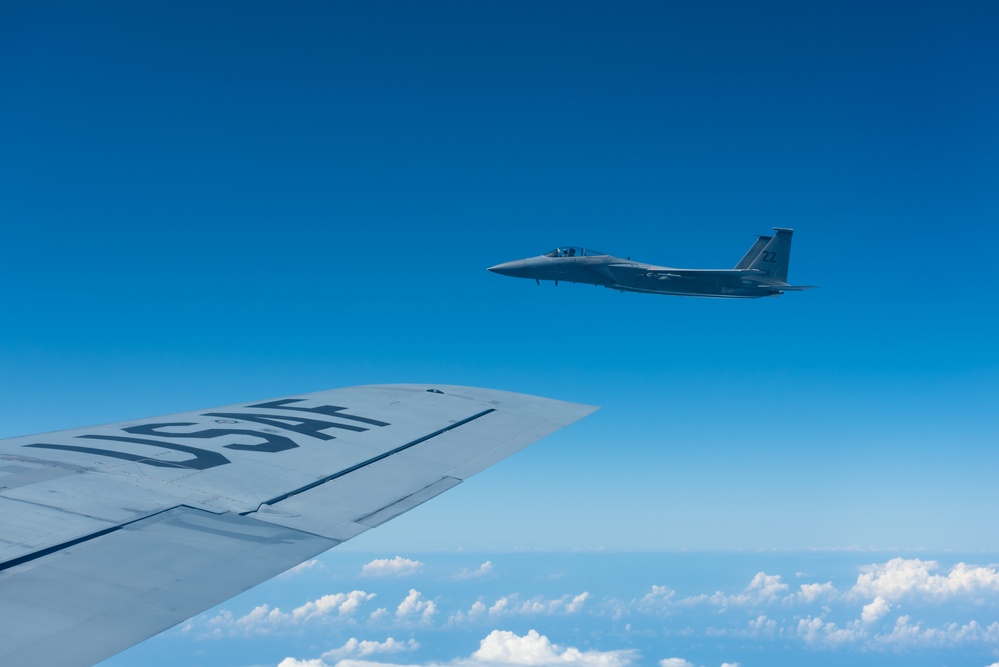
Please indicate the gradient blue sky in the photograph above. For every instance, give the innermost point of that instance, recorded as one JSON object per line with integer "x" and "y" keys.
{"x": 206, "y": 203}
{"x": 211, "y": 203}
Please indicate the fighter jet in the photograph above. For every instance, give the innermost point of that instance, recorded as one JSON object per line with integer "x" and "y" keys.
{"x": 761, "y": 272}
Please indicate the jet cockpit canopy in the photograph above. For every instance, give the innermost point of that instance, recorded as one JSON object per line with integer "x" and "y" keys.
{"x": 574, "y": 251}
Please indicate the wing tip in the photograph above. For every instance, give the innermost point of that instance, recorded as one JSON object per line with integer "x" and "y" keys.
{"x": 554, "y": 410}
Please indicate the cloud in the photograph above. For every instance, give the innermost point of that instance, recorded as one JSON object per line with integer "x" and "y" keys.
{"x": 901, "y": 577}
{"x": 476, "y": 611}
{"x": 763, "y": 589}
{"x": 363, "y": 649}
{"x": 657, "y": 599}
{"x": 538, "y": 605}
{"x": 264, "y": 619}
{"x": 812, "y": 592}
{"x": 391, "y": 567}
{"x": 415, "y": 607}
{"x": 762, "y": 627}
{"x": 821, "y": 633}
{"x": 500, "y": 648}
{"x": 902, "y": 635}
{"x": 302, "y": 567}
{"x": 466, "y": 574}
{"x": 875, "y": 611}
{"x": 675, "y": 662}
{"x": 908, "y": 634}
{"x": 512, "y": 605}
{"x": 576, "y": 603}
{"x": 353, "y": 649}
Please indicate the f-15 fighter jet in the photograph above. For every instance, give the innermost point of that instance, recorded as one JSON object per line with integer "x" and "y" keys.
{"x": 761, "y": 272}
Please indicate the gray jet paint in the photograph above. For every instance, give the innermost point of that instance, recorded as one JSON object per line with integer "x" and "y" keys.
{"x": 111, "y": 534}
{"x": 761, "y": 272}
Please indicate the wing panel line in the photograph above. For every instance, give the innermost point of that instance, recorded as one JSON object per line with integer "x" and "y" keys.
{"x": 6, "y": 565}
{"x": 374, "y": 459}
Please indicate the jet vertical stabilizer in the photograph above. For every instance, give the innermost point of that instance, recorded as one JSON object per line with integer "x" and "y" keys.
{"x": 753, "y": 252}
{"x": 773, "y": 259}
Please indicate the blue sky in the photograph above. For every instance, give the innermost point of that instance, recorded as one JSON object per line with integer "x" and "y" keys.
{"x": 204, "y": 205}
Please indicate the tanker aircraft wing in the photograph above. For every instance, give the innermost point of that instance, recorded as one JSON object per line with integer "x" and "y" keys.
{"x": 111, "y": 534}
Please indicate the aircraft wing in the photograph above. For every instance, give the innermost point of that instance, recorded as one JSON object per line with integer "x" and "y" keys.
{"x": 748, "y": 278}
{"x": 790, "y": 288}
{"x": 111, "y": 534}
{"x": 665, "y": 273}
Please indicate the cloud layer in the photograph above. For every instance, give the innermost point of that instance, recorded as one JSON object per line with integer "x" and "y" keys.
{"x": 891, "y": 607}
{"x": 391, "y": 567}
{"x": 500, "y": 648}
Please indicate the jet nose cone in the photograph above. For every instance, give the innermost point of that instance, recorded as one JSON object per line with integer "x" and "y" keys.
{"x": 506, "y": 268}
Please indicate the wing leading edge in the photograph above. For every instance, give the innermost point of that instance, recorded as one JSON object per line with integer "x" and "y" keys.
{"x": 111, "y": 534}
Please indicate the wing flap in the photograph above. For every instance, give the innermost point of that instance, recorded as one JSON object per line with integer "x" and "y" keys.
{"x": 409, "y": 502}
{"x": 80, "y": 605}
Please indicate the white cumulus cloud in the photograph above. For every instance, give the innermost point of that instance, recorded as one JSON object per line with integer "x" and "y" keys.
{"x": 483, "y": 570}
{"x": 303, "y": 567}
{"x": 353, "y": 648}
{"x": 819, "y": 632}
{"x": 264, "y": 619}
{"x": 762, "y": 589}
{"x": 812, "y": 592}
{"x": 500, "y": 648}
{"x": 576, "y": 603}
{"x": 675, "y": 662}
{"x": 475, "y": 612}
{"x": 875, "y": 611}
{"x": 391, "y": 567}
{"x": 510, "y": 605}
{"x": 900, "y": 577}
{"x": 657, "y": 599}
{"x": 415, "y": 607}
{"x": 364, "y": 648}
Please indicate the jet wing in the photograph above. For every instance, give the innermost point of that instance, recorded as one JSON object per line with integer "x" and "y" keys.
{"x": 749, "y": 278}
{"x": 111, "y": 534}
{"x": 790, "y": 288}
{"x": 681, "y": 276}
